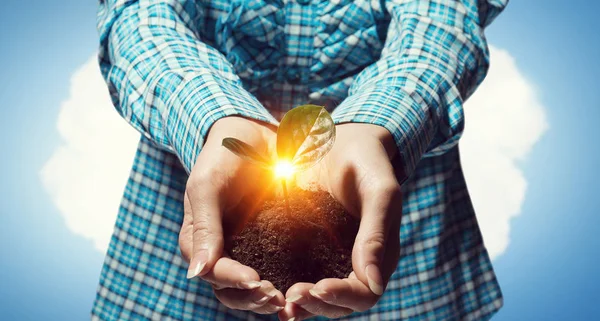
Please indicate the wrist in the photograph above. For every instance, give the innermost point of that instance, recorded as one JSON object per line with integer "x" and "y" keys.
{"x": 382, "y": 134}
{"x": 258, "y": 134}
{"x": 233, "y": 124}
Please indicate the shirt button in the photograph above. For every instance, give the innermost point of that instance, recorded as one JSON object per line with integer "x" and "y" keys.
{"x": 293, "y": 76}
{"x": 303, "y": 2}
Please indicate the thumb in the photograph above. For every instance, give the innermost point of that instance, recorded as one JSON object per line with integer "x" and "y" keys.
{"x": 207, "y": 235}
{"x": 369, "y": 247}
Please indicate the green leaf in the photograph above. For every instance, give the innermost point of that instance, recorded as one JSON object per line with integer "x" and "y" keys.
{"x": 246, "y": 152}
{"x": 305, "y": 135}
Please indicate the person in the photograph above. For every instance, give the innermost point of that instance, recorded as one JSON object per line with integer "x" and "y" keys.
{"x": 393, "y": 73}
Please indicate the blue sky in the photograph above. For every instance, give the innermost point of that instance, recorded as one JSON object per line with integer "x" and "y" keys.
{"x": 548, "y": 272}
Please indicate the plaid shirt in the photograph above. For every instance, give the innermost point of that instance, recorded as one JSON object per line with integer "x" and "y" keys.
{"x": 174, "y": 67}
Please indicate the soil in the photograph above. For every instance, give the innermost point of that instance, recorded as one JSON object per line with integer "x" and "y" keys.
{"x": 312, "y": 241}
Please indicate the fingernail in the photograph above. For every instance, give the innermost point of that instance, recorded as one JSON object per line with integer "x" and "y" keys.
{"x": 264, "y": 299}
{"x": 291, "y": 319}
{"x": 374, "y": 279}
{"x": 250, "y": 285}
{"x": 272, "y": 292}
{"x": 293, "y": 299}
{"x": 273, "y": 308}
{"x": 197, "y": 264}
{"x": 320, "y": 294}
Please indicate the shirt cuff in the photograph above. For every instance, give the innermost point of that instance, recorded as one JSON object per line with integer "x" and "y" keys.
{"x": 395, "y": 110}
{"x": 197, "y": 104}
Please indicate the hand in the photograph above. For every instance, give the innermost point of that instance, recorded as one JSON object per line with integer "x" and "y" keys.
{"x": 358, "y": 173}
{"x": 218, "y": 182}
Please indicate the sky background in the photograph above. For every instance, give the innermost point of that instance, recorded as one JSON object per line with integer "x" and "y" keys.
{"x": 548, "y": 270}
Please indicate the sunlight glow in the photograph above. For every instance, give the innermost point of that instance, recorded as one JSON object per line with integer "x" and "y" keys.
{"x": 284, "y": 169}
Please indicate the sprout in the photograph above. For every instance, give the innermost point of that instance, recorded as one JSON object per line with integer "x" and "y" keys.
{"x": 305, "y": 135}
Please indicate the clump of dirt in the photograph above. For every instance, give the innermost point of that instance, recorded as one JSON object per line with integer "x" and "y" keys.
{"x": 310, "y": 242}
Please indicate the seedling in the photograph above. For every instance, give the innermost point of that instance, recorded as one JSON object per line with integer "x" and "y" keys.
{"x": 304, "y": 136}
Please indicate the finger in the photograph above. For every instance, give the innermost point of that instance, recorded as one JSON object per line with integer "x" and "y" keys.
{"x": 207, "y": 232}
{"x": 251, "y": 299}
{"x": 298, "y": 292}
{"x": 379, "y": 206}
{"x": 186, "y": 231}
{"x": 293, "y": 312}
{"x": 228, "y": 273}
{"x": 275, "y": 305}
{"x": 347, "y": 293}
{"x": 301, "y": 294}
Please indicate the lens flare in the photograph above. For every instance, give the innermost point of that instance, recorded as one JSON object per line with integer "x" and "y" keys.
{"x": 284, "y": 169}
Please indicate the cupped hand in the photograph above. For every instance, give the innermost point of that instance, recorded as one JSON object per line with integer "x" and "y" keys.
{"x": 218, "y": 182}
{"x": 358, "y": 173}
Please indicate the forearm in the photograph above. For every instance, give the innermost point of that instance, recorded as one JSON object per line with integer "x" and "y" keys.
{"x": 434, "y": 57}
{"x": 164, "y": 81}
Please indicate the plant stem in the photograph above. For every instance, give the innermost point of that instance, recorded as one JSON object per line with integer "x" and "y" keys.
{"x": 285, "y": 195}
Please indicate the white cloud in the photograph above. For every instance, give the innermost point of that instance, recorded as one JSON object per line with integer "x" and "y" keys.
{"x": 87, "y": 174}
{"x": 504, "y": 119}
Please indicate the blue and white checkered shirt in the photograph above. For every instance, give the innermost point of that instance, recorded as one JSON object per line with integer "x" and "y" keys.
{"x": 174, "y": 67}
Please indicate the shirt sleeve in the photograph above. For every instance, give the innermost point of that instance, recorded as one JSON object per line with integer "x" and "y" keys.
{"x": 435, "y": 55}
{"x": 163, "y": 80}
